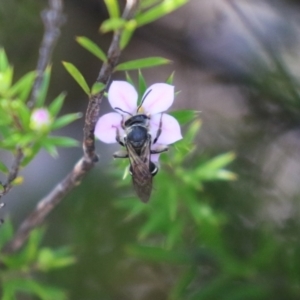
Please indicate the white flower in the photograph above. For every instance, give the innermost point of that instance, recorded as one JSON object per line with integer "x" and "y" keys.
{"x": 123, "y": 98}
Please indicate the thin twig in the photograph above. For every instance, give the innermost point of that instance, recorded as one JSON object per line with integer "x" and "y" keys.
{"x": 47, "y": 204}
{"x": 52, "y": 19}
{"x": 13, "y": 173}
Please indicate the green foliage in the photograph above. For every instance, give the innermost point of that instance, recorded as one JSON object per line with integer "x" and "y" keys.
{"x": 20, "y": 126}
{"x": 179, "y": 206}
{"x": 42, "y": 93}
{"x": 137, "y": 64}
{"x": 112, "y": 25}
{"x": 20, "y": 269}
{"x": 92, "y": 47}
{"x": 149, "y": 11}
{"x": 184, "y": 116}
{"x": 75, "y": 73}
{"x": 158, "y": 10}
{"x": 113, "y": 8}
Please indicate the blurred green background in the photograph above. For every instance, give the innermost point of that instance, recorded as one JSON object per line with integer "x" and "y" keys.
{"x": 238, "y": 63}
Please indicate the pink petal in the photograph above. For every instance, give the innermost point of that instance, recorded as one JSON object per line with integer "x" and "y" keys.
{"x": 159, "y": 99}
{"x": 107, "y": 126}
{"x": 122, "y": 94}
{"x": 154, "y": 158}
{"x": 170, "y": 130}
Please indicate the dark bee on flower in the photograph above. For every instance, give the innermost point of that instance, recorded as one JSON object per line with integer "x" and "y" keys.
{"x": 137, "y": 141}
{"x": 144, "y": 131}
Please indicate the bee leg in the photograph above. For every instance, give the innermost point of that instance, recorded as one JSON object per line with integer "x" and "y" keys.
{"x": 158, "y": 133}
{"x": 120, "y": 154}
{"x": 123, "y": 123}
{"x": 159, "y": 149}
{"x": 118, "y": 137}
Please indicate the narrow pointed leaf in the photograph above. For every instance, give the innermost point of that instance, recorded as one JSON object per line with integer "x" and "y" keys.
{"x": 42, "y": 93}
{"x": 7, "y": 232}
{"x": 127, "y": 33}
{"x": 145, "y": 4}
{"x": 4, "y": 64}
{"x": 63, "y": 141}
{"x": 66, "y": 120}
{"x": 128, "y": 78}
{"x": 92, "y": 47}
{"x": 75, "y": 73}
{"x": 184, "y": 116}
{"x": 157, "y": 254}
{"x": 112, "y": 25}
{"x": 98, "y": 87}
{"x": 170, "y": 78}
{"x": 159, "y": 11}
{"x": 56, "y": 105}
{"x": 50, "y": 148}
{"x": 23, "y": 86}
{"x": 142, "y": 63}
{"x": 113, "y": 8}
{"x": 142, "y": 86}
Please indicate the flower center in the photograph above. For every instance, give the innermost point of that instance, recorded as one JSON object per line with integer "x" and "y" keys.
{"x": 140, "y": 110}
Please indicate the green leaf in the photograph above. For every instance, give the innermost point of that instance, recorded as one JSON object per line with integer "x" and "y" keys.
{"x": 128, "y": 78}
{"x": 50, "y": 148}
{"x": 184, "y": 116}
{"x": 127, "y": 33}
{"x": 181, "y": 287}
{"x": 6, "y": 232}
{"x": 112, "y": 25}
{"x": 160, "y": 10}
{"x": 92, "y": 47}
{"x": 42, "y": 93}
{"x": 65, "y": 120}
{"x": 157, "y": 254}
{"x": 62, "y": 141}
{"x": 98, "y": 87}
{"x": 31, "y": 153}
{"x": 142, "y": 87}
{"x": 171, "y": 78}
{"x": 4, "y": 64}
{"x": 32, "y": 287}
{"x": 56, "y": 105}
{"x": 152, "y": 224}
{"x": 142, "y": 63}
{"x": 3, "y": 168}
{"x": 49, "y": 259}
{"x": 145, "y": 4}
{"x": 23, "y": 86}
{"x": 74, "y": 72}
{"x": 113, "y": 8}
{"x": 30, "y": 251}
{"x": 219, "y": 161}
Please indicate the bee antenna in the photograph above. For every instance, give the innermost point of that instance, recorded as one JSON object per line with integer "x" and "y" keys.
{"x": 143, "y": 99}
{"x": 126, "y": 112}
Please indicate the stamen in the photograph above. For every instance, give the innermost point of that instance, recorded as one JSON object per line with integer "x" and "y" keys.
{"x": 139, "y": 107}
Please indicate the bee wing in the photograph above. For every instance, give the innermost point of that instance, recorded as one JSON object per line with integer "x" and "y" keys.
{"x": 141, "y": 176}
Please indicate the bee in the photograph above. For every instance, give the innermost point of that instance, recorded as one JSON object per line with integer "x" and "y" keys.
{"x": 137, "y": 141}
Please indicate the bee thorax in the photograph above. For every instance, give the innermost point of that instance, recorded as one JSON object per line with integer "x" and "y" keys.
{"x": 137, "y": 136}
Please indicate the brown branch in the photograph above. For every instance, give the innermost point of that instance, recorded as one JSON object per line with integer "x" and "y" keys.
{"x": 48, "y": 203}
{"x": 13, "y": 173}
{"x": 52, "y": 19}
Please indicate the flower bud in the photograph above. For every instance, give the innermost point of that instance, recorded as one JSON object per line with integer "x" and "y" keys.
{"x": 40, "y": 119}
